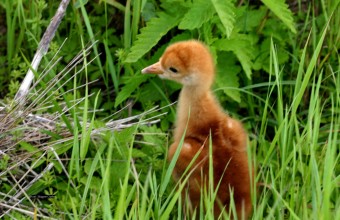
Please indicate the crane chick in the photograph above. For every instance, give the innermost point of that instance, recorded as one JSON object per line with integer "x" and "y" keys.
{"x": 199, "y": 116}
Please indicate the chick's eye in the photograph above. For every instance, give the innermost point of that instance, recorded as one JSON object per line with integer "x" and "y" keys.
{"x": 172, "y": 69}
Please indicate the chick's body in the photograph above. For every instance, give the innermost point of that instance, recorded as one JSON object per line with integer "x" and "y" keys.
{"x": 199, "y": 115}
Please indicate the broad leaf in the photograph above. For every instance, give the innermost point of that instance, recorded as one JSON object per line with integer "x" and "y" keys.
{"x": 200, "y": 12}
{"x": 132, "y": 83}
{"x": 226, "y": 12}
{"x": 227, "y": 78}
{"x": 244, "y": 56}
{"x": 281, "y": 10}
{"x": 241, "y": 46}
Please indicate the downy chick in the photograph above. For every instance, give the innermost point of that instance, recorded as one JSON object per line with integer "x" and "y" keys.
{"x": 199, "y": 115}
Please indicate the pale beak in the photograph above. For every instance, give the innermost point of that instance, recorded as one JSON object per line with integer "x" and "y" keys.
{"x": 153, "y": 69}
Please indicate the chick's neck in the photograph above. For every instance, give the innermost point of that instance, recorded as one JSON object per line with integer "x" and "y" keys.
{"x": 196, "y": 106}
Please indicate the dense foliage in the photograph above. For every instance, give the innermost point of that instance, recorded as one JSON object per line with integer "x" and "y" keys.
{"x": 277, "y": 68}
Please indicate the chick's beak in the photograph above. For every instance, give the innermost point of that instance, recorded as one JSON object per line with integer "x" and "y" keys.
{"x": 153, "y": 69}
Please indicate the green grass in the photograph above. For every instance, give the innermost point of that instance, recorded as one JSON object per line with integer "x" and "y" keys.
{"x": 289, "y": 102}
{"x": 297, "y": 182}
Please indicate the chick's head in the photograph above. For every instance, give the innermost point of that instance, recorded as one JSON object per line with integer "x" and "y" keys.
{"x": 188, "y": 62}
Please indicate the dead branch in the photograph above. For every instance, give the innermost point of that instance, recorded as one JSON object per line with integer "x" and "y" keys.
{"x": 42, "y": 50}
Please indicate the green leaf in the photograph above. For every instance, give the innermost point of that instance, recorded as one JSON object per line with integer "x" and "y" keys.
{"x": 281, "y": 10}
{"x": 88, "y": 166}
{"x": 36, "y": 188}
{"x": 151, "y": 34}
{"x": 262, "y": 55}
{"x": 226, "y": 78}
{"x": 244, "y": 56}
{"x": 148, "y": 11}
{"x": 124, "y": 138}
{"x": 95, "y": 183}
{"x": 200, "y": 12}
{"x": 117, "y": 172}
{"x": 247, "y": 20}
{"x": 131, "y": 84}
{"x": 154, "y": 140}
{"x": 241, "y": 46}
{"x": 226, "y": 13}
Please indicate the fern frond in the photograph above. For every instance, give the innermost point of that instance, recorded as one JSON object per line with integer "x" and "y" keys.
{"x": 226, "y": 13}
{"x": 150, "y": 35}
{"x": 281, "y": 10}
{"x": 200, "y": 12}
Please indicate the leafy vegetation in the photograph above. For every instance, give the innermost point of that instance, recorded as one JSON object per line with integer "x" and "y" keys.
{"x": 101, "y": 152}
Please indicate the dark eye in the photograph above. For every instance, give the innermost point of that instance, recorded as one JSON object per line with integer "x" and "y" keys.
{"x": 172, "y": 69}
